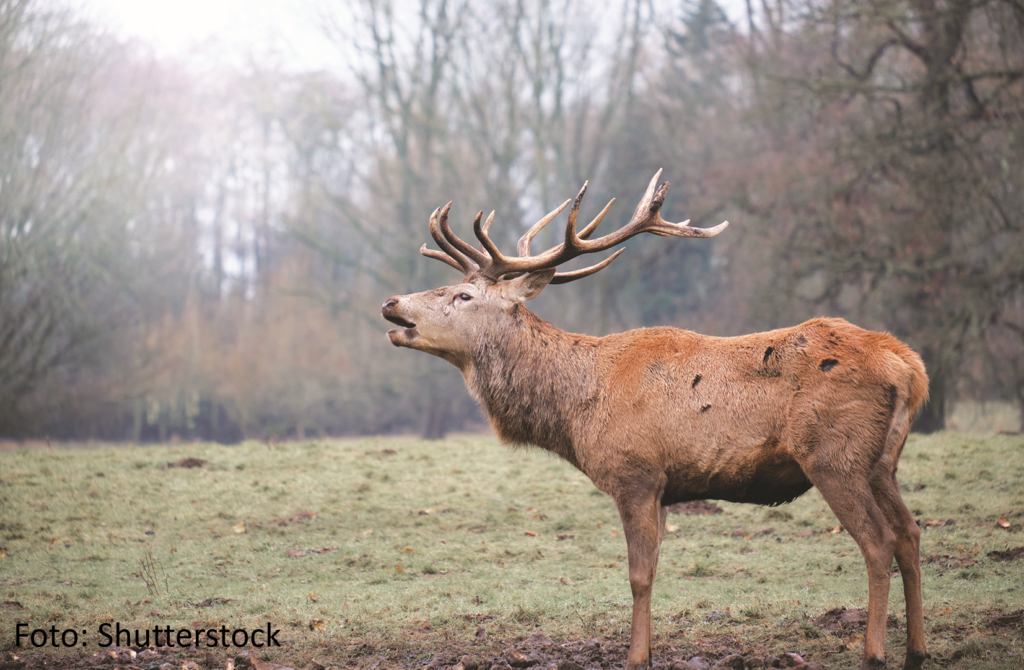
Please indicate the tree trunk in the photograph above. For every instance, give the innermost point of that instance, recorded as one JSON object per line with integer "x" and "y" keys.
{"x": 436, "y": 419}
{"x": 138, "y": 418}
{"x": 932, "y": 417}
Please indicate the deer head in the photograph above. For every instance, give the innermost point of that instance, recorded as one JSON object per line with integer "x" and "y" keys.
{"x": 449, "y": 322}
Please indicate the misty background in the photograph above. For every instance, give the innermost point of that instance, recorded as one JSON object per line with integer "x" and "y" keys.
{"x": 195, "y": 242}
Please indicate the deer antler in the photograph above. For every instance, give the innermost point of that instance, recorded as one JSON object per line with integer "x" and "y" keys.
{"x": 489, "y": 262}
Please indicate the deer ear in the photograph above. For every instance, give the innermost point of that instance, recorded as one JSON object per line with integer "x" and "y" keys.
{"x": 528, "y": 286}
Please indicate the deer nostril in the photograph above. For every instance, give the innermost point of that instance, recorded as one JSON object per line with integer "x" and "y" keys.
{"x": 390, "y": 305}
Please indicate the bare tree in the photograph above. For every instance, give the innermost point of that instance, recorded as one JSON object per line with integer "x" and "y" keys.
{"x": 902, "y": 202}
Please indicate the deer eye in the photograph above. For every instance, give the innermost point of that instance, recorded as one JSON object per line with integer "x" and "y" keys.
{"x": 465, "y": 297}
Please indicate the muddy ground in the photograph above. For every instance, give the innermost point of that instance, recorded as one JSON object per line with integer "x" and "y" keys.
{"x": 792, "y": 648}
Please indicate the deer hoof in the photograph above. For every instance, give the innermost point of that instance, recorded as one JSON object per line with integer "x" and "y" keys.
{"x": 915, "y": 660}
{"x": 872, "y": 662}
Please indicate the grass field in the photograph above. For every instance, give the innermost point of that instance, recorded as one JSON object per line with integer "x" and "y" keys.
{"x": 394, "y": 552}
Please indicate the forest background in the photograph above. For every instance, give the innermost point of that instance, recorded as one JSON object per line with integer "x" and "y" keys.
{"x": 192, "y": 250}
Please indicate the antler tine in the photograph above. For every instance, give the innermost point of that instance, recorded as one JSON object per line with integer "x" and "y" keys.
{"x": 455, "y": 258}
{"x": 437, "y": 255}
{"x": 523, "y": 248}
{"x": 645, "y": 202}
{"x": 566, "y": 277}
{"x": 592, "y": 226}
{"x": 467, "y": 249}
{"x": 571, "y": 238}
{"x": 486, "y": 226}
{"x": 489, "y": 248}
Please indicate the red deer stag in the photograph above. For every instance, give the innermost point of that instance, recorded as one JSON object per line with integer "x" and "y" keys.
{"x": 657, "y": 416}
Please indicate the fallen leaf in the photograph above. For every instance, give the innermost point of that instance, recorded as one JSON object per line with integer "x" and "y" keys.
{"x": 399, "y": 570}
{"x": 564, "y": 537}
{"x": 239, "y": 528}
{"x": 1003, "y": 522}
{"x": 855, "y": 642}
{"x": 316, "y": 624}
{"x": 296, "y": 553}
{"x": 427, "y": 511}
{"x": 836, "y": 530}
{"x": 531, "y": 533}
{"x": 671, "y": 528}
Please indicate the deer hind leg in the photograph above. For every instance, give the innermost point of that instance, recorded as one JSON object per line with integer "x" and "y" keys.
{"x": 908, "y": 540}
{"x": 643, "y": 524}
{"x": 853, "y": 503}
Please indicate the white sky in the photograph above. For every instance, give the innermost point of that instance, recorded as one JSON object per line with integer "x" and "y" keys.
{"x": 280, "y": 29}
{"x": 284, "y": 31}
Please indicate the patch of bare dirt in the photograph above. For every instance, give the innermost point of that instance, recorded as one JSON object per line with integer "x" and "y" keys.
{"x": 695, "y": 507}
{"x": 841, "y": 620}
{"x": 1008, "y": 555}
{"x": 1011, "y": 620}
{"x": 949, "y": 561}
{"x": 188, "y": 463}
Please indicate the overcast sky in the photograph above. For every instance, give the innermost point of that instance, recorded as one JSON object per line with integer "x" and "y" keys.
{"x": 285, "y": 30}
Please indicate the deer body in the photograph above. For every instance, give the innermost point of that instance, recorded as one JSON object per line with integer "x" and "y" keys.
{"x": 720, "y": 418}
{"x": 660, "y": 415}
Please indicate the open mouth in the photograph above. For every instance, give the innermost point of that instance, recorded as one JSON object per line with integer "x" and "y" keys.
{"x": 400, "y": 321}
{"x": 402, "y": 337}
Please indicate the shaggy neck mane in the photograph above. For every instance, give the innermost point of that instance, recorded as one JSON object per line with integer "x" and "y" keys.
{"x": 535, "y": 382}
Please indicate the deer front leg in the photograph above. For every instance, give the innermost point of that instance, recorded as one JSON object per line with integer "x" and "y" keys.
{"x": 642, "y": 521}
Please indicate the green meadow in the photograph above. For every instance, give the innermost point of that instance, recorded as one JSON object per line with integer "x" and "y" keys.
{"x": 395, "y": 550}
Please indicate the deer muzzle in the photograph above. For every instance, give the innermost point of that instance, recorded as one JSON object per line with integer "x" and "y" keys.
{"x": 400, "y": 337}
